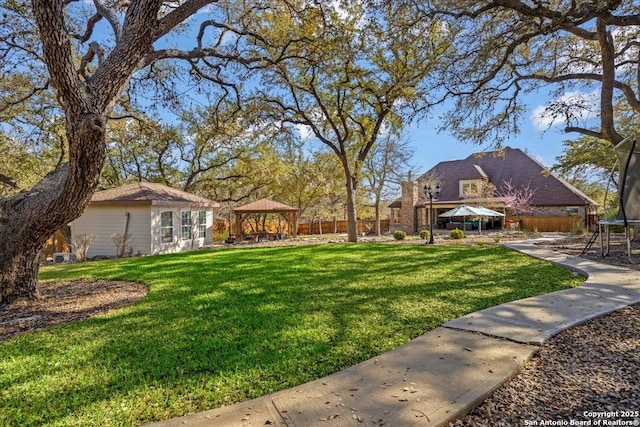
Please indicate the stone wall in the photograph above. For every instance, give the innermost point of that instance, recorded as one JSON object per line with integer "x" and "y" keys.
{"x": 407, "y": 211}
{"x": 410, "y": 193}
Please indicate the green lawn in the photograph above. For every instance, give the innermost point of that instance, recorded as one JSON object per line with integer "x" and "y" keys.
{"x": 222, "y": 326}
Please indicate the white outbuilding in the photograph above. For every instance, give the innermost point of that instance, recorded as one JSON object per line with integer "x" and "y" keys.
{"x": 145, "y": 219}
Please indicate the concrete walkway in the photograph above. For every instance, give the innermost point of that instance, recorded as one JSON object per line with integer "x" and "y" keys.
{"x": 444, "y": 373}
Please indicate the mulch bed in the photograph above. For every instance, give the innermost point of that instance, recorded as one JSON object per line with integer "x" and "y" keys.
{"x": 591, "y": 368}
{"x": 617, "y": 250}
{"x": 64, "y": 302}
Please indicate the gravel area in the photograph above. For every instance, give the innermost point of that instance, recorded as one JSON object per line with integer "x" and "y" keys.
{"x": 590, "y": 369}
{"x": 586, "y": 375}
{"x": 617, "y": 250}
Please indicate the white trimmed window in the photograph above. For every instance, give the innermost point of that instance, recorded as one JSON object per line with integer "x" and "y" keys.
{"x": 166, "y": 226}
{"x": 202, "y": 224}
{"x": 187, "y": 225}
{"x": 470, "y": 188}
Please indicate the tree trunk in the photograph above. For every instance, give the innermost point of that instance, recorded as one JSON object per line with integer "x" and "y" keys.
{"x": 352, "y": 219}
{"x": 377, "y": 209}
{"x": 29, "y": 218}
{"x": 19, "y": 271}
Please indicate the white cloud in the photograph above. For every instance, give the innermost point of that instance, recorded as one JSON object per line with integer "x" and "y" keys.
{"x": 304, "y": 132}
{"x": 570, "y": 108}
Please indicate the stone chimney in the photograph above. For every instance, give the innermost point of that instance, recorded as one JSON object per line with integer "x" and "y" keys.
{"x": 410, "y": 193}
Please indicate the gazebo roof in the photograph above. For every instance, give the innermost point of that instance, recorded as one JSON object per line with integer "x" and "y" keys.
{"x": 264, "y": 205}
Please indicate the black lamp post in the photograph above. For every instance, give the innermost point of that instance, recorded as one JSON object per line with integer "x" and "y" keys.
{"x": 428, "y": 191}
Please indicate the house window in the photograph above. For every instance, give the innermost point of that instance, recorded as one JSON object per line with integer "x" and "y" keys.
{"x": 166, "y": 226}
{"x": 395, "y": 215}
{"x": 202, "y": 224}
{"x": 423, "y": 216}
{"x": 469, "y": 188}
{"x": 186, "y": 225}
{"x": 572, "y": 210}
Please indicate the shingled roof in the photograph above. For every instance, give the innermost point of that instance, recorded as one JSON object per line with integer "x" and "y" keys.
{"x": 499, "y": 167}
{"x": 148, "y": 193}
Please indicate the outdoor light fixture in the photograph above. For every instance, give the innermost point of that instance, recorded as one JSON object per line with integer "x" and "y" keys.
{"x": 428, "y": 191}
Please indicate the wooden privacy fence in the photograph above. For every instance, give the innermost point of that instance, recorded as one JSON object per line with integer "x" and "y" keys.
{"x": 564, "y": 224}
{"x": 56, "y": 243}
{"x": 221, "y": 227}
{"x": 365, "y": 226}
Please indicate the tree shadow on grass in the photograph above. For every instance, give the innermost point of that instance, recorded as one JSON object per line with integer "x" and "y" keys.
{"x": 218, "y": 327}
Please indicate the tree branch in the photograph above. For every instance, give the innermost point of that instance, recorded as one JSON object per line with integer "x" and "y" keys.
{"x": 94, "y": 50}
{"x": 49, "y": 16}
{"x": 12, "y": 103}
{"x": 8, "y": 181}
{"x": 607, "y": 49}
{"x": 180, "y": 14}
{"x": 584, "y": 131}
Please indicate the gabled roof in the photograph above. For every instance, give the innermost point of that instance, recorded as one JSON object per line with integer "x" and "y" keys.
{"x": 499, "y": 167}
{"x": 265, "y": 205}
{"x": 148, "y": 193}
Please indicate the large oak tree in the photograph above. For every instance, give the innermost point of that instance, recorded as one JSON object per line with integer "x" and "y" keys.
{"x": 89, "y": 60}
{"x": 507, "y": 48}
{"x": 344, "y": 70}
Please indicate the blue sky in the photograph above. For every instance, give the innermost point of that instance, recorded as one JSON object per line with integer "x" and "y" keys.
{"x": 432, "y": 147}
{"x": 540, "y": 141}
{"x": 539, "y": 136}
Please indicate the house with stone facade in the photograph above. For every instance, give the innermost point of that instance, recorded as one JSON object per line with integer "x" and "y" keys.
{"x": 490, "y": 179}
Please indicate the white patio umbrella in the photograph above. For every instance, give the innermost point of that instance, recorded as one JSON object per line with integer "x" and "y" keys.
{"x": 466, "y": 210}
{"x": 489, "y": 212}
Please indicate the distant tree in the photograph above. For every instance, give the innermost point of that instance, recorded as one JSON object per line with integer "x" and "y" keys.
{"x": 586, "y": 158}
{"x": 23, "y": 164}
{"x": 604, "y": 192}
{"x": 345, "y": 70}
{"x": 517, "y": 199}
{"x": 141, "y": 149}
{"x": 388, "y": 163}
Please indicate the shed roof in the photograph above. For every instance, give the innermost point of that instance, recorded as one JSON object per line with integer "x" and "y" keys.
{"x": 149, "y": 193}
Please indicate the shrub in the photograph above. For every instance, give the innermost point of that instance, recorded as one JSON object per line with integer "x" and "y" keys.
{"x": 581, "y": 231}
{"x": 122, "y": 244}
{"x": 82, "y": 243}
{"x": 456, "y": 233}
{"x": 399, "y": 235}
{"x": 424, "y": 234}
{"x": 496, "y": 239}
{"x": 220, "y": 237}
